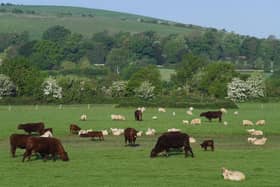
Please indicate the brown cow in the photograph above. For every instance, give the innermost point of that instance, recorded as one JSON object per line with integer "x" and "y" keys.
{"x": 18, "y": 141}
{"x": 74, "y": 129}
{"x": 32, "y": 127}
{"x": 94, "y": 134}
{"x": 212, "y": 114}
{"x": 45, "y": 147}
{"x": 207, "y": 143}
{"x": 138, "y": 115}
{"x": 170, "y": 140}
{"x": 130, "y": 135}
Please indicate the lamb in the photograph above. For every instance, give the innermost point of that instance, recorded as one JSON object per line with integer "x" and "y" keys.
{"x": 223, "y": 110}
{"x": 150, "y": 132}
{"x": 260, "y": 122}
{"x": 232, "y": 175}
{"x": 186, "y": 122}
{"x": 196, "y": 121}
{"x": 247, "y": 122}
{"x": 83, "y": 117}
{"x": 189, "y": 112}
{"x": 260, "y": 141}
{"x": 161, "y": 110}
{"x": 139, "y": 133}
{"x": 254, "y": 132}
{"x": 173, "y": 130}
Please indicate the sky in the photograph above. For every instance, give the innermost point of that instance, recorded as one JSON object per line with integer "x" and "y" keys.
{"x": 247, "y": 17}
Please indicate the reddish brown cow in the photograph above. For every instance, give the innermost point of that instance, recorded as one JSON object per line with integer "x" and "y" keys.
{"x": 130, "y": 135}
{"x": 74, "y": 129}
{"x": 32, "y": 127}
{"x": 18, "y": 141}
{"x": 94, "y": 134}
{"x": 45, "y": 147}
{"x": 138, "y": 115}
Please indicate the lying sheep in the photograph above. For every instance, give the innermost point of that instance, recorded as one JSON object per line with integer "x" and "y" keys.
{"x": 116, "y": 131}
{"x": 150, "y": 132}
{"x": 117, "y": 117}
{"x": 173, "y": 130}
{"x": 232, "y": 175}
{"x": 247, "y": 122}
{"x": 186, "y": 122}
{"x": 83, "y": 117}
{"x": 260, "y": 141}
{"x": 139, "y": 133}
{"x": 189, "y": 112}
{"x": 254, "y": 132}
{"x": 196, "y": 121}
{"x": 260, "y": 122}
{"x": 154, "y": 117}
{"x": 251, "y": 139}
{"x": 161, "y": 110}
{"x": 235, "y": 112}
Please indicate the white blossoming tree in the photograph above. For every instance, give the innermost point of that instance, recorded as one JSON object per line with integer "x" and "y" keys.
{"x": 239, "y": 90}
{"x": 118, "y": 89}
{"x": 7, "y": 87}
{"x": 51, "y": 89}
{"x": 145, "y": 90}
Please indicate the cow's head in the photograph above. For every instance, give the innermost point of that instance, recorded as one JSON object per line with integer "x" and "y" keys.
{"x": 202, "y": 114}
{"x": 64, "y": 156}
{"x": 153, "y": 153}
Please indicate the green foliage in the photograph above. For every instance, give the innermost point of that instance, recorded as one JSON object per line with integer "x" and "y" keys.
{"x": 56, "y": 33}
{"x": 117, "y": 59}
{"x": 27, "y": 79}
{"x": 7, "y": 87}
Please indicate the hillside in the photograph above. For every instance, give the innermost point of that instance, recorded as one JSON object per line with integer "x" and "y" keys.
{"x": 36, "y": 19}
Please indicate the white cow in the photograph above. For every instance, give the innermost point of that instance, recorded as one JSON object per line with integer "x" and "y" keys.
{"x": 232, "y": 175}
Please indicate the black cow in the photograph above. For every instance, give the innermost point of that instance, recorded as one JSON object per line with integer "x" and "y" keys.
{"x": 212, "y": 114}
{"x": 138, "y": 115}
{"x": 130, "y": 135}
{"x": 170, "y": 140}
{"x": 207, "y": 143}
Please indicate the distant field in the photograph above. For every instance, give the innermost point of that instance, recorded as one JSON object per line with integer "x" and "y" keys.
{"x": 166, "y": 73}
{"x": 113, "y": 22}
{"x": 110, "y": 163}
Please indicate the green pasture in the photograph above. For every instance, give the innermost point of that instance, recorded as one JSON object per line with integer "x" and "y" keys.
{"x": 110, "y": 163}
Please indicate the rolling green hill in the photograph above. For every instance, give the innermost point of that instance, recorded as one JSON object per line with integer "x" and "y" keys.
{"x": 36, "y": 19}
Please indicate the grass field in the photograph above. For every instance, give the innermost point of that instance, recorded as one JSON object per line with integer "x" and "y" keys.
{"x": 110, "y": 163}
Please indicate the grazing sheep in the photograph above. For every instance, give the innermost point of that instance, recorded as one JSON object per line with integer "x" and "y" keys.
{"x": 254, "y": 132}
{"x": 251, "y": 139}
{"x": 117, "y": 117}
{"x": 235, "y": 113}
{"x": 196, "y": 121}
{"x": 191, "y": 108}
{"x": 232, "y": 175}
{"x": 117, "y": 132}
{"x": 192, "y": 140}
{"x": 173, "y": 130}
{"x": 186, "y": 122}
{"x": 260, "y": 122}
{"x": 247, "y": 122}
{"x": 104, "y": 132}
{"x": 161, "y": 110}
{"x": 260, "y": 141}
{"x": 154, "y": 117}
{"x": 83, "y": 117}
{"x": 139, "y": 133}
{"x": 223, "y": 110}
{"x": 189, "y": 112}
{"x": 150, "y": 132}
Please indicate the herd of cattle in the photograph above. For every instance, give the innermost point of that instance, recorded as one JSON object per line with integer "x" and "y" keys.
{"x": 46, "y": 146}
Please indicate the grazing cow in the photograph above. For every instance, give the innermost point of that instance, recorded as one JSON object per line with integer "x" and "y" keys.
{"x": 207, "y": 143}
{"x": 170, "y": 140}
{"x": 45, "y": 147}
{"x": 94, "y": 134}
{"x": 247, "y": 122}
{"x": 232, "y": 175}
{"x": 138, "y": 115}
{"x": 32, "y": 127}
{"x": 18, "y": 141}
{"x": 74, "y": 129}
{"x": 212, "y": 114}
{"x": 130, "y": 135}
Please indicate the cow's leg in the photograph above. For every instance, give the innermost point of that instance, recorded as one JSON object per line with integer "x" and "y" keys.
{"x": 188, "y": 148}
{"x": 13, "y": 151}
{"x": 220, "y": 119}
{"x": 212, "y": 147}
{"x": 125, "y": 140}
{"x": 205, "y": 148}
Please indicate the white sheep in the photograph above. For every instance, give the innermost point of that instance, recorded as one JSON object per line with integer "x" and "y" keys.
{"x": 139, "y": 133}
{"x": 105, "y": 132}
{"x": 185, "y": 122}
{"x": 117, "y": 117}
{"x": 161, "y": 109}
{"x": 47, "y": 134}
{"x": 247, "y": 122}
{"x": 260, "y": 141}
{"x": 223, "y": 110}
{"x": 196, "y": 121}
{"x": 173, "y": 130}
{"x": 225, "y": 123}
{"x": 251, "y": 139}
{"x": 189, "y": 112}
{"x": 150, "y": 132}
{"x": 192, "y": 139}
{"x": 254, "y": 132}
{"x": 232, "y": 175}
{"x": 235, "y": 112}
{"x": 83, "y": 117}
{"x": 191, "y": 108}
{"x": 260, "y": 122}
